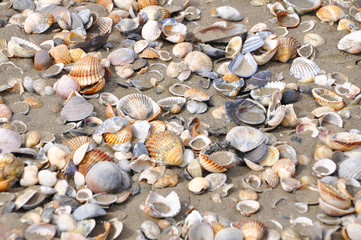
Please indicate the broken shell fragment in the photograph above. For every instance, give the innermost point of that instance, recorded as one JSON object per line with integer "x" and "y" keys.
{"x": 161, "y": 207}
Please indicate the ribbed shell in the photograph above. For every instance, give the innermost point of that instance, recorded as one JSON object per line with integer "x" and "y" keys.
{"x": 156, "y": 127}
{"x": 182, "y": 49}
{"x": 327, "y": 98}
{"x": 272, "y": 156}
{"x": 331, "y": 13}
{"x": 104, "y": 25}
{"x": 61, "y": 54}
{"x": 243, "y": 65}
{"x": 38, "y": 22}
{"x": 350, "y": 168}
{"x": 75, "y": 142}
{"x": 332, "y": 196}
{"x": 76, "y": 54}
{"x": 91, "y": 158}
{"x": 197, "y": 95}
{"x": 252, "y": 229}
{"x": 151, "y": 31}
{"x": 155, "y": 13}
{"x": 209, "y": 165}
{"x": 284, "y": 167}
{"x": 166, "y": 148}
{"x": 87, "y": 71}
{"x": 302, "y": 68}
{"x": 271, "y": 178}
{"x": 351, "y": 42}
{"x": 149, "y": 53}
{"x": 172, "y": 104}
{"x": 198, "y": 62}
{"x": 122, "y": 136}
{"x": 343, "y": 141}
{"x": 252, "y": 43}
{"x": 22, "y": 48}
{"x": 146, "y": 3}
{"x": 287, "y": 49}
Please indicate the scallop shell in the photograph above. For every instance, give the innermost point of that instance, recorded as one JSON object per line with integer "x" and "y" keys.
{"x": 138, "y": 107}
{"x": 284, "y": 167}
{"x": 351, "y": 43}
{"x": 166, "y": 148}
{"x": 122, "y": 136}
{"x": 209, "y": 165}
{"x": 172, "y": 104}
{"x": 198, "y": 62}
{"x": 304, "y": 7}
{"x": 330, "y": 13}
{"x": 327, "y": 98}
{"x": 245, "y": 138}
{"x": 61, "y": 54}
{"x": 180, "y": 50}
{"x": 303, "y": 68}
{"x": 161, "y": 207}
{"x": 91, "y": 158}
{"x": 287, "y": 49}
{"x": 174, "y": 32}
{"x": 246, "y": 111}
{"x": 155, "y": 13}
{"x": 243, "y": 65}
{"x": 87, "y": 71}
{"x": 197, "y": 95}
{"x": 151, "y": 31}
{"x": 252, "y": 229}
{"x": 19, "y": 47}
{"x": 248, "y": 207}
{"x": 227, "y": 12}
{"x": 38, "y": 22}
{"x": 272, "y": 156}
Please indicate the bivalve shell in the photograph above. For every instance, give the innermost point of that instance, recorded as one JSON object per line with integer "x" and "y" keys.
{"x": 327, "y": 98}
{"x": 287, "y": 49}
{"x": 209, "y": 165}
{"x": 198, "y": 185}
{"x": 303, "y": 68}
{"x": 332, "y": 196}
{"x": 155, "y": 13}
{"x": 252, "y": 229}
{"x": 284, "y": 167}
{"x": 330, "y": 13}
{"x": 61, "y": 54}
{"x": 324, "y": 167}
{"x": 198, "y": 62}
{"x": 19, "y": 47}
{"x": 351, "y": 42}
{"x": 245, "y": 138}
{"x": 172, "y": 104}
{"x": 243, "y": 65}
{"x": 181, "y": 50}
{"x": 38, "y": 22}
{"x": 227, "y": 12}
{"x": 248, "y": 207}
{"x": 161, "y": 207}
{"x": 151, "y": 31}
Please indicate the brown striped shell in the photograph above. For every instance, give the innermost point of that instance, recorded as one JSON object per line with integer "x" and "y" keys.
{"x": 61, "y": 54}
{"x": 195, "y": 94}
{"x": 87, "y": 71}
{"x": 284, "y": 167}
{"x": 198, "y": 62}
{"x": 146, "y": 3}
{"x": 209, "y": 165}
{"x": 166, "y": 148}
{"x": 122, "y": 136}
{"x": 104, "y": 25}
{"x": 38, "y": 22}
{"x": 156, "y": 127}
{"x": 287, "y": 49}
{"x": 252, "y": 229}
{"x": 332, "y": 196}
{"x": 155, "y": 13}
{"x": 91, "y": 158}
{"x": 75, "y": 142}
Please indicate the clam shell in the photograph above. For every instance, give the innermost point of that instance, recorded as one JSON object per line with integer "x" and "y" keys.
{"x": 314, "y": 39}
{"x": 334, "y": 211}
{"x": 61, "y": 54}
{"x": 251, "y": 228}
{"x": 303, "y": 68}
{"x": 42, "y": 60}
{"x": 324, "y": 167}
{"x": 347, "y": 89}
{"x": 226, "y": 88}
{"x": 227, "y": 12}
{"x": 198, "y": 185}
{"x": 245, "y": 138}
{"x": 219, "y": 33}
{"x": 350, "y": 168}
{"x": 87, "y": 211}
{"x": 166, "y": 148}
{"x": 351, "y": 43}
{"x": 229, "y": 233}
{"x": 332, "y": 196}
{"x": 151, "y": 31}
{"x": 34, "y": 201}
{"x": 174, "y": 32}
{"x": 9, "y": 140}
{"x": 181, "y": 50}
{"x": 41, "y": 230}
{"x": 172, "y": 104}
{"x": 267, "y": 51}
{"x": 117, "y": 15}
{"x": 198, "y": 62}
{"x": 216, "y": 180}
{"x": 195, "y": 107}
{"x": 258, "y": 154}
{"x": 91, "y": 158}
{"x": 103, "y": 199}
{"x": 161, "y": 207}
{"x": 194, "y": 169}
{"x": 304, "y": 7}
{"x": 270, "y": 178}
{"x": 19, "y": 47}
{"x": 155, "y": 13}
{"x": 332, "y": 118}
{"x": 178, "y": 89}
{"x": 84, "y": 195}
{"x": 248, "y": 207}
{"x": 284, "y": 167}
{"x": 140, "y": 45}
{"x": 87, "y": 71}
{"x": 38, "y": 22}
{"x": 252, "y": 43}
{"x": 21, "y": 5}
{"x": 287, "y": 49}
{"x": 287, "y": 19}
{"x": 77, "y": 108}
{"x": 243, "y": 65}
{"x": 200, "y": 231}
{"x": 330, "y": 13}
{"x": 234, "y": 47}
{"x": 209, "y": 165}
{"x": 196, "y": 95}
{"x": 24, "y": 198}
{"x": 138, "y": 107}
{"x": 246, "y": 111}
{"x": 327, "y": 98}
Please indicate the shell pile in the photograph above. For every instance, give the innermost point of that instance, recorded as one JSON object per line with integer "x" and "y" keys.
{"x": 223, "y": 121}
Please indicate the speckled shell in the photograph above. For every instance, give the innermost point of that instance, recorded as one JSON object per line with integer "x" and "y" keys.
{"x": 182, "y": 49}
{"x": 61, "y": 54}
{"x": 197, "y": 95}
{"x": 122, "y": 136}
{"x": 198, "y": 62}
{"x": 252, "y": 229}
{"x": 38, "y": 22}
{"x": 327, "y": 98}
{"x": 137, "y": 106}
{"x": 209, "y": 165}
{"x": 303, "y": 68}
{"x": 332, "y": 196}
{"x": 75, "y": 142}
{"x": 91, "y": 158}
{"x": 166, "y": 148}
{"x": 330, "y": 13}
{"x": 87, "y": 71}
{"x": 287, "y": 49}
{"x": 284, "y": 167}
{"x": 155, "y": 13}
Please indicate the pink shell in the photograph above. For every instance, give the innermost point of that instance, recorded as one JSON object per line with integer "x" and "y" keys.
{"x": 65, "y": 85}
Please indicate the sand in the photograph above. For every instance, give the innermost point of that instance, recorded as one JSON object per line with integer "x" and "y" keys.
{"x": 328, "y": 57}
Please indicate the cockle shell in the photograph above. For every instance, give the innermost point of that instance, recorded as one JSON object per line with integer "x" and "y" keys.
{"x": 267, "y": 51}
{"x": 227, "y": 12}
{"x": 284, "y": 167}
{"x": 252, "y": 229}
{"x": 330, "y": 13}
{"x": 19, "y": 47}
{"x": 87, "y": 71}
{"x": 180, "y": 50}
{"x": 61, "y": 54}
{"x": 161, "y": 207}
{"x": 251, "y": 138}
{"x": 343, "y": 141}
{"x": 351, "y": 43}
{"x": 38, "y": 22}
{"x": 146, "y": 3}
{"x": 151, "y": 31}
{"x": 197, "y": 95}
{"x": 166, "y": 148}
{"x": 155, "y": 13}
{"x": 198, "y": 62}
{"x": 327, "y": 98}
{"x": 287, "y": 49}
{"x": 271, "y": 178}
{"x": 210, "y": 165}
{"x": 332, "y": 196}
{"x": 303, "y": 68}
{"x": 172, "y": 104}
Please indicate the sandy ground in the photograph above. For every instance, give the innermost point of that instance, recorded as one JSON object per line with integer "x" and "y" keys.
{"x": 328, "y": 57}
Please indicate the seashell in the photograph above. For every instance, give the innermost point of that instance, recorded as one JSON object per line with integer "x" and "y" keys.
{"x": 84, "y": 195}
{"x": 117, "y": 15}
{"x": 209, "y": 165}
{"x": 150, "y": 229}
{"x": 284, "y": 167}
{"x": 172, "y": 104}
{"x": 180, "y": 50}
{"x": 243, "y": 65}
{"x": 87, "y": 211}
{"x": 56, "y": 156}
{"x": 334, "y": 211}
{"x": 198, "y": 62}
{"x": 61, "y": 54}
{"x": 267, "y": 51}
{"x": 47, "y": 178}
{"x": 252, "y": 43}
{"x": 303, "y": 68}
{"x": 38, "y": 22}
{"x": 22, "y": 5}
{"x": 332, "y": 118}
{"x": 90, "y": 159}
{"x": 332, "y": 196}
{"x": 195, "y": 107}
{"x": 29, "y": 176}
{"x": 196, "y": 95}
{"x": 156, "y": 127}
{"x": 75, "y": 142}
{"x": 198, "y": 185}
{"x": 289, "y": 184}
{"x": 287, "y": 49}
{"x": 151, "y": 31}
{"x": 229, "y": 233}
{"x": 351, "y": 43}
{"x": 34, "y": 201}
{"x": 140, "y": 45}
{"x": 166, "y": 148}
{"x": 6, "y": 113}
{"x": 179, "y": 70}
{"x": 104, "y": 25}
{"x": 178, "y": 89}
{"x": 161, "y": 207}
{"x": 65, "y": 85}
{"x": 9, "y": 141}
{"x": 268, "y": 93}
{"x": 229, "y": 89}
{"x": 258, "y": 80}
{"x": 128, "y": 25}
{"x": 19, "y": 47}
{"x": 259, "y": 27}
{"x": 251, "y": 229}
{"x": 149, "y": 53}
{"x": 146, "y": 3}
{"x": 248, "y": 207}
{"x": 271, "y": 178}
{"x": 349, "y": 168}
{"x": 174, "y": 32}
{"x": 40, "y": 230}
{"x": 314, "y": 39}
{"x": 327, "y": 98}
{"x": 234, "y": 47}
{"x": 306, "y": 50}
{"x": 121, "y": 56}
{"x": 321, "y": 111}
{"x": 200, "y": 230}
{"x": 258, "y": 154}
{"x": 24, "y": 198}
{"x": 330, "y": 13}
{"x": 351, "y": 231}
{"x": 324, "y": 167}
{"x": 227, "y": 12}
{"x": 103, "y": 199}
{"x": 347, "y": 89}
{"x": 53, "y": 70}
{"x": 77, "y": 108}
{"x": 76, "y": 54}
{"x": 305, "y": 7}
{"x": 42, "y": 60}
{"x": 343, "y": 141}
{"x": 245, "y": 144}
{"x": 246, "y": 111}
{"x": 194, "y": 169}
{"x": 155, "y": 13}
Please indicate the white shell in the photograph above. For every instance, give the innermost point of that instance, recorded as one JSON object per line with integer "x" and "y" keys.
{"x": 304, "y": 68}
{"x": 351, "y": 42}
{"x": 170, "y": 205}
{"x": 47, "y": 178}
{"x": 324, "y": 167}
{"x": 151, "y": 31}
{"x": 245, "y": 138}
{"x": 229, "y": 13}
{"x": 248, "y": 207}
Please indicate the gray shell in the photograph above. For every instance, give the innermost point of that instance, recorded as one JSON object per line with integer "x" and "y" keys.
{"x": 350, "y": 168}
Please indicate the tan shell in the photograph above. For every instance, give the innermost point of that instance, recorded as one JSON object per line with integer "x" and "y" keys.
{"x": 248, "y": 207}
{"x": 343, "y": 141}
{"x": 271, "y": 178}
{"x": 332, "y": 196}
{"x": 287, "y": 49}
{"x": 284, "y": 167}
{"x": 330, "y": 13}
{"x": 122, "y": 136}
{"x": 61, "y": 54}
{"x": 181, "y": 50}
{"x": 38, "y": 22}
{"x": 197, "y": 95}
{"x": 155, "y": 13}
{"x": 252, "y": 229}
{"x": 198, "y": 62}
{"x": 209, "y": 165}
{"x": 87, "y": 71}
{"x": 146, "y": 3}
{"x": 151, "y": 31}
{"x": 76, "y": 54}
{"x": 327, "y": 98}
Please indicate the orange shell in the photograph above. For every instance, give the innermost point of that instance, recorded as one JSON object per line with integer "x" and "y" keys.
{"x": 252, "y": 229}
{"x": 270, "y": 178}
{"x": 75, "y": 142}
{"x": 122, "y": 136}
{"x": 149, "y": 53}
{"x": 87, "y": 71}
{"x": 61, "y": 54}
{"x": 284, "y": 167}
{"x": 5, "y": 184}
{"x": 33, "y": 102}
{"x": 91, "y": 158}
{"x": 343, "y": 141}
{"x": 146, "y": 3}
{"x": 76, "y": 54}
{"x": 287, "y": 49}
{"x": 332, "y": 196}
{"x": 195, "y": 94}
{"x": 156, "y": 127}
{"x": 331, "y": 13}
{"x": 107, "y": 4}
{"x": 209, "y": 165}
{"x": 165, "y": 147}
